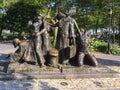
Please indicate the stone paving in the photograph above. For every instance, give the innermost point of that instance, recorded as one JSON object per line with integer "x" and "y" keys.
{"x": 111, "y": 61}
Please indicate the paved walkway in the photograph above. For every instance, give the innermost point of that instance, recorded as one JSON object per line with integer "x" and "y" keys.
{"x": 111, "y": 61}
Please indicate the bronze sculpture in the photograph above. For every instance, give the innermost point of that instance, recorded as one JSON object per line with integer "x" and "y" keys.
{"x": 84, "y": 56}
{"x": 25, "y": 51}
{"x": 66, "y": 35}
{"x": 45, "y": 34}
{"x": 36, "y": 29}
{"x": 69, "y": 39}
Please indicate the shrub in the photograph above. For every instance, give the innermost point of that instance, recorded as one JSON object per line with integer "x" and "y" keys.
{"x": 115, "y": 49}
{"x": 101, "y": 46}
{"x": 96, "y": 45}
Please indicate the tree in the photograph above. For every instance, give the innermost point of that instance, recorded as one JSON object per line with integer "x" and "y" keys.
{"x": 4, "y": 4}
{"x": 19, "y": 13}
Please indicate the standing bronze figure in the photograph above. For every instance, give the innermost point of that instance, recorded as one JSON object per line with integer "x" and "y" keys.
{"x": 45, "y": 29}
{"x": 66, "y": 34}
{"x": 36, "y": 29}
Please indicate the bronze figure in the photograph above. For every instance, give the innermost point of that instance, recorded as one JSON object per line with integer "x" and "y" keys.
{"x": 36, "y": 29}
{"x": 66, "y": 35}
{"x": 71, "y": 42}
{"x": 25, "y": 51}
{"x": 84, "y": 56}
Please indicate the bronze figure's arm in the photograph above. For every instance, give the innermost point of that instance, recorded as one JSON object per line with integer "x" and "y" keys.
{"x": 79, "y": 31}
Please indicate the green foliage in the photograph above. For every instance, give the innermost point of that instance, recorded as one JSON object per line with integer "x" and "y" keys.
{"x": 115, "y": 49}
{"x": 94, "y": 13}
{"x": 7, "y": 37}
{"x": 90, "y": 13}
{"x": 20, "y": 12}
{"x": 96, "y": 45}
{"x": 52, "y": 40}
{"x": 100, "y": 46}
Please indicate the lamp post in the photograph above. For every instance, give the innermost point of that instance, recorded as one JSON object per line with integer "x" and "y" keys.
{"x": 110, "y": 22}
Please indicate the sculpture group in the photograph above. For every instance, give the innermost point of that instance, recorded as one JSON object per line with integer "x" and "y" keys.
{"x": 71, "y": 43}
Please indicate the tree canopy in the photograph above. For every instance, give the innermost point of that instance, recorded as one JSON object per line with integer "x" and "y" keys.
{"x": 89, "y": 13}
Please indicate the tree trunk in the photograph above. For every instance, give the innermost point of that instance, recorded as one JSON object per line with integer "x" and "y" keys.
{"x": 0, "y": 31}
{"x": 96, "y": 26}
{"x": 119, "y": 31}
{"x": 113, "y": 39}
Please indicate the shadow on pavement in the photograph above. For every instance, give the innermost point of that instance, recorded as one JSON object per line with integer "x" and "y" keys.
{"x": 6, "y": 42}
{"x": 108, "y": 62}
{"x": 4, "y": 63}
{"x": 46, "y": 86}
